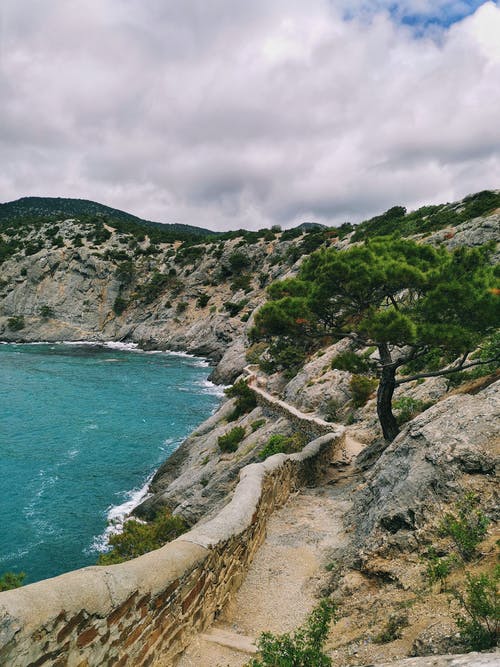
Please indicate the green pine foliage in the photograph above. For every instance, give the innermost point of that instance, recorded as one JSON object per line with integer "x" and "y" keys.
{"x": 434, "y": 305}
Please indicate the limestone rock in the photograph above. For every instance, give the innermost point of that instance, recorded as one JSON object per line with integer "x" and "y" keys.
{"x": 457, "y": 436}
{"x": 231, "y": 365}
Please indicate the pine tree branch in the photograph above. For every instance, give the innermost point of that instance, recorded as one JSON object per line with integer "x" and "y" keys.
{"x": 460, "y": 367}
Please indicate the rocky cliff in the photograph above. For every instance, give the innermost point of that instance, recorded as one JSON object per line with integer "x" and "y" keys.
{"x": 92, "y": 281}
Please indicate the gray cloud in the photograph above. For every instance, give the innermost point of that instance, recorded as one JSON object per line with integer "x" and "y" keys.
{"x": 231, "y": 114}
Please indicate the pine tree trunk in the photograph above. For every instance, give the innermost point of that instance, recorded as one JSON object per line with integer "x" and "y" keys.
{"x": 385, "y": 393}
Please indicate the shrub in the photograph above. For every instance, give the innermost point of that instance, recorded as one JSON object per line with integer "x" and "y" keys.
{"x": 245, "y": 399}
{"x": 16, "y": 323}
{"x": 438, "y": 567}
{"x": 125, "y": 272}
{"x": 152, "y": 289}
{"x": 303, "y": 648}
{"x": 350, "y": 361}
{"x": 46, "y": 311}
{"x": 234, "y": 307}
{"x": 202, "y": 301}
{"x": 361, "y": 388}
{"x": 120, "y": 305}
{"x": 467, "y": 526}
{"x": 241, "y": 282}
{"x": 138, "y": 538}
{"x": 257, "y": 424}
{"x": 238, "y": 261}
{"x": 392, "y": 629}
{"x": 181, "y": 307}
{"x": 10, "y": 580}
{"x": 282, "y": 444}
{"x": 332, "y": 409}
{"x": 479, "y": 620}
{"x": 408, "y": 408}
{"x": 230, "y": 441}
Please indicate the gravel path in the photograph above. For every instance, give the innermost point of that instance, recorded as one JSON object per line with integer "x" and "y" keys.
{"x": 282, "y": 583}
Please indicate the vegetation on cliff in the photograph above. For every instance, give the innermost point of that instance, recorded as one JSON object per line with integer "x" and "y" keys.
{"x": 426, "y": 310}
{"x": 138, "y": 538}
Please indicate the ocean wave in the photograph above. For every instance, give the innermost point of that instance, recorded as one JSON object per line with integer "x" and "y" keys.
{"x": 211, "y": 388}
{"x": 117, "y": 515}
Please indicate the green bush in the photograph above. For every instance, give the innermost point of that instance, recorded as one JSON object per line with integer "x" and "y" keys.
{"x": 138, "y": 538}
{"x": 245, "y": 399}
{"x": 234, "y": 307}
{"x": 151, "y": 290}
{"x": 119, "y": 305}
{"x": 10, "y": 580}
{"x": 238, "y": 261}
{"x": 303, "y": 648}
{"x": 408, "y": 408}
{"x": 46, "y": 311}
{"x": 125, "y": 272}
{"x": 350, "y": 361}
{"x": 392, "y": 629}
{"x": 241, "y": 282}
{"x": 257, "y": 424}
{"x": 361, "y": 389}
{"x": 230, "y": 441}
{"x": 438, "y": 568}
{"x": 332, "y": 410}
{"x": 16, "y": 323}
{"x": 181, "y": 307}
{"x": 202, "y": 300}
{"x": 479, "y": 619}
{"x": 466, "y": 526}
{"x": 283, "y": 444}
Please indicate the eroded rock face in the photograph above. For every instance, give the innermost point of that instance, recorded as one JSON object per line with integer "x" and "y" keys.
{"x": 473, "y": 233}
{"x": 231, "y": 365}
{"x": 458, "y": 436}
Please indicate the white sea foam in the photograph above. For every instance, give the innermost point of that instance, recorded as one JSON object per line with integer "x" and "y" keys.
{"x": 117, "y": 515}
{"x": 211, "y": 388}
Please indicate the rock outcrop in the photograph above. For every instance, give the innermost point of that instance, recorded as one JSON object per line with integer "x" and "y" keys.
{"x": 456, "y": 437}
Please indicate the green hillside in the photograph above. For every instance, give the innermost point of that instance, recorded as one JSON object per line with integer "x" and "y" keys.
{"x": 57, "y": 208}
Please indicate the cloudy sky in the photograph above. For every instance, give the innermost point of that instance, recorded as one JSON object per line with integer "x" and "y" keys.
{"x": 232, "y": 113}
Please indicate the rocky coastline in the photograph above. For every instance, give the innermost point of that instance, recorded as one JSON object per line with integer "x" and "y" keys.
{"x": 397, "y": 493}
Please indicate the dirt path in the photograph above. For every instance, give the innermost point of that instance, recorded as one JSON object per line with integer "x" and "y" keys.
{"x": 283, "y": 582}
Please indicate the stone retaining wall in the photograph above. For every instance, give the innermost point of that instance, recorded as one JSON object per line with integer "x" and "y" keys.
{"x": 311, "y": 426}
{"x": 144, "y": 612}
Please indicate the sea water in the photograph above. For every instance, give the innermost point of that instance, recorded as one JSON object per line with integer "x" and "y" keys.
{"x": 82, "y": 430}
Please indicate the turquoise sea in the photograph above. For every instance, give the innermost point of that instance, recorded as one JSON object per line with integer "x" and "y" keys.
{"x": 82, "y": 429}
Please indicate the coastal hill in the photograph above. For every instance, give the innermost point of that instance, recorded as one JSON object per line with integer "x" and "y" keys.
{"x": 88, "y": 278}
{"x": 54, "y": 208}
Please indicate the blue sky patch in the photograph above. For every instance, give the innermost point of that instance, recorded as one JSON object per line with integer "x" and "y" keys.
{"x": 437, "y": 14}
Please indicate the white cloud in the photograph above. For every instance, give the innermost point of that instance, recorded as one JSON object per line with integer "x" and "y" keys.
{"x": 231, "y": 114}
